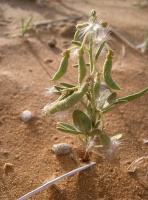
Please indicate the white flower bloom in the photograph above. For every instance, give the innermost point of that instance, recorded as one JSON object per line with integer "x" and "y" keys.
{"x": 92, "y": 28}
{"x": 50, "y": 91}
{"x": 102, "y": 35}
{"x": 74, "y": 53}
{"x": 102, "y": 100}
{"x": 44, "y": 111}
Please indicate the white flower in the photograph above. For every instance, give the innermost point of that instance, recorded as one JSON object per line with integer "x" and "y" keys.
{"x": 102, "y": 100}
{"x": 50, "y": 91}
{"x": 102, "y": 35}
{"x": 45, "y": 110}
{"x": 74, "y": 53}
{"x": 92, "y": 28}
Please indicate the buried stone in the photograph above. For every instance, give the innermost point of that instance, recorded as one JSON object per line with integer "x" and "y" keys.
{"x": 61, "y": 148}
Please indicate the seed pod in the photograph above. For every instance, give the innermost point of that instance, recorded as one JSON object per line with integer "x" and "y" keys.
{"x": 63, "y": 67}
{"x": 81, "y": 67}
{"x": 66, "y": 103}
{"x": 107, "y": 72}
{"x": 97, "y": 86}
{"x": 99, "y": 50}
{"x": 76, "y": 35}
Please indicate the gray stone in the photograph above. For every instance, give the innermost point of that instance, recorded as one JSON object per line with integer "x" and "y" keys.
{"x": 61, "y": 148}
{"x": 26, "y": 116}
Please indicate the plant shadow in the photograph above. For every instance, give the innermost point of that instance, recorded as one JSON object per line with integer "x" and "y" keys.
{"x": 55, "y": 193}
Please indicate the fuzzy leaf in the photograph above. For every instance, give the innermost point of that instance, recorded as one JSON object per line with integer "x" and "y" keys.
{"x": 81, "y": 121}
{"x": 133, "y": 96}
{"x": 96, "y": 131}
{"x": 67, "y": 128}
{"x": 104, "y": 139}
{"x": 77, "y": 43}
{"x": 58, "y": 88}
{"x": 67, "y": 85}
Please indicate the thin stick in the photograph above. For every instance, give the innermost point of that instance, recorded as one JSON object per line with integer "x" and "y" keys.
{"x": 136, "y": 161}
{"x": 124, "y": 40}
{"x": 39, "y": 189}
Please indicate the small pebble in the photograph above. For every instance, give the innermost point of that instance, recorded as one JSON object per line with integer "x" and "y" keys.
{"x": 26, "y": 116}
{"x": 145, "y": 141}
{"x": 62, "y": 148}
{"x": 48, "y": 60}
{"x": 8, "y": 167}
{"x": 52, "y": 42}
{"x": 25, "y": 87}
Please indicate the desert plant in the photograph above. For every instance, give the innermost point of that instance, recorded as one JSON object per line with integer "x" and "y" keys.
{"x": 25, "y": 26}
{"x": 90, "y": 39}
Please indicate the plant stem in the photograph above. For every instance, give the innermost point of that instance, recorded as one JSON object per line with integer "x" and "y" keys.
{"x": 92, "y": 82}
{"x": 91, "y": 56}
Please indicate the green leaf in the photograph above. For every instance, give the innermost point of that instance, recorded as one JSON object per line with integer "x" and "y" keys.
{"x": 58, "y": 88}
{"x": 81, "y": 121}
{"x": 69, "y": 131}
{"x": 104, "y": 139}
{"x": 96, "y": 131}
{"x": 132, "y": 97}
{"x": 112, "y": 97}
{"x": 67, "y": 128}
{"x": 77, "y": 43}
{"x": 116, "y": 137}
{"x": 67, "y": 85}
{"x": 108, "y": 109}
{"x": 28, "y": 23}
{"x": 97, "y": 124}
{"x": 76, "y": 35}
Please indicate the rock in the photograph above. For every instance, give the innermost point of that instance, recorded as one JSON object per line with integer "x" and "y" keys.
{"x": 52, "y": 42}
{"x": 62, "y": 148}
{"x": 8, "y": 167}
{"x": 26, "y": 116}
{"x": 145, "y": 141}
{"x": 25, "y": 87}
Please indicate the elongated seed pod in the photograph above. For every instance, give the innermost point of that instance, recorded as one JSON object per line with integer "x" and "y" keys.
{"x": 81, "y": 67}
{"x": 107, "y": 72}
{"x": 62, "y": 68}
{"x": 99, "y": 50}
{"x": 97, "y": 87}
{"x": 76, "y": 35}
{"x": 67, "y": 102}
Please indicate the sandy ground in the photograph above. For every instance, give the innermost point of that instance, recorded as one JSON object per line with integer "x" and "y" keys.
{"x": 26, "y": 67}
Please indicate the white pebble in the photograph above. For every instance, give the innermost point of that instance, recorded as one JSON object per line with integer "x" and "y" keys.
{"x": 61, "y": 148}
{"x": 26, "y": 116}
